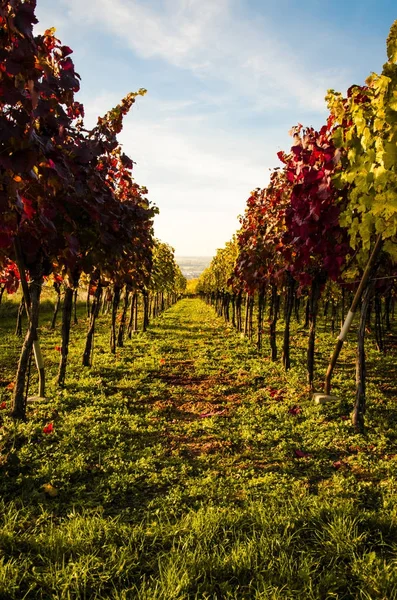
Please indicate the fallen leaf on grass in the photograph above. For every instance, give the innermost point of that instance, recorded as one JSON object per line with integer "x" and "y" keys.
{"x": 50, "y": 490}
{"x": 295, "y": 410}
{"x": 3, "y": 405}
{"x": 276, "y": 394}
{"x": 48, "y": 428}
{"x": 301, "y": 454}
{"x": 338, "y": 464}
{"x": 212, "y": 414}
{"x": 10, "y": 386}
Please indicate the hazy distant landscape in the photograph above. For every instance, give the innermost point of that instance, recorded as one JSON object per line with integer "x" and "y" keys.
{"x": 193, "y": 266}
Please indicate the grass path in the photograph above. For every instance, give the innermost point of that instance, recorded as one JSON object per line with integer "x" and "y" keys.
{"x": 189, "y": 467}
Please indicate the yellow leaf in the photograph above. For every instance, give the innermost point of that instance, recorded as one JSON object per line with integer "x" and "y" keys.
{"x": 50, "y": 490}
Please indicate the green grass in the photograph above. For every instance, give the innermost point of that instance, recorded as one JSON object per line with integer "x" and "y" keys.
{"x": 176, "y": 475}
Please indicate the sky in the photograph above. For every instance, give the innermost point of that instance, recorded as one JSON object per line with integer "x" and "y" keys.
{"x": 226, "y": 81}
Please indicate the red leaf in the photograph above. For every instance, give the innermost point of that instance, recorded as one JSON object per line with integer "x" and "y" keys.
{"x": 301, "y": 454}
{"x": 28, "y": 208}
{"x": 3, "y": 405}
{"x": 276, "y": 394}
{"x": 67, "y": 64}
{"x": 48, "y": 428}
{"x": 212, "y": 414}
{"x": 66, "y": 50}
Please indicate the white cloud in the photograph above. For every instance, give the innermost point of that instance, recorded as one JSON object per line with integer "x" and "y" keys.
{"x": 205, "y": 37}
{"x": 173, "y": 34}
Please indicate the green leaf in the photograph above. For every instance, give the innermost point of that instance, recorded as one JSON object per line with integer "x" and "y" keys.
{"x": 390, "y": 155}
{"x": 390, "y": 248}
{"x": 338, "y": 137}
{"x": 393, "y": 101}
{"x": 370, "y": 179}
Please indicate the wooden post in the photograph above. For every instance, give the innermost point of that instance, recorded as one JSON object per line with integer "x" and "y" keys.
{"x": 350, "y": 315}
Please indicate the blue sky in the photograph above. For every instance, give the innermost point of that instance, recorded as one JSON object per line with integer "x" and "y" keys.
{"x": 226, "y": 80}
